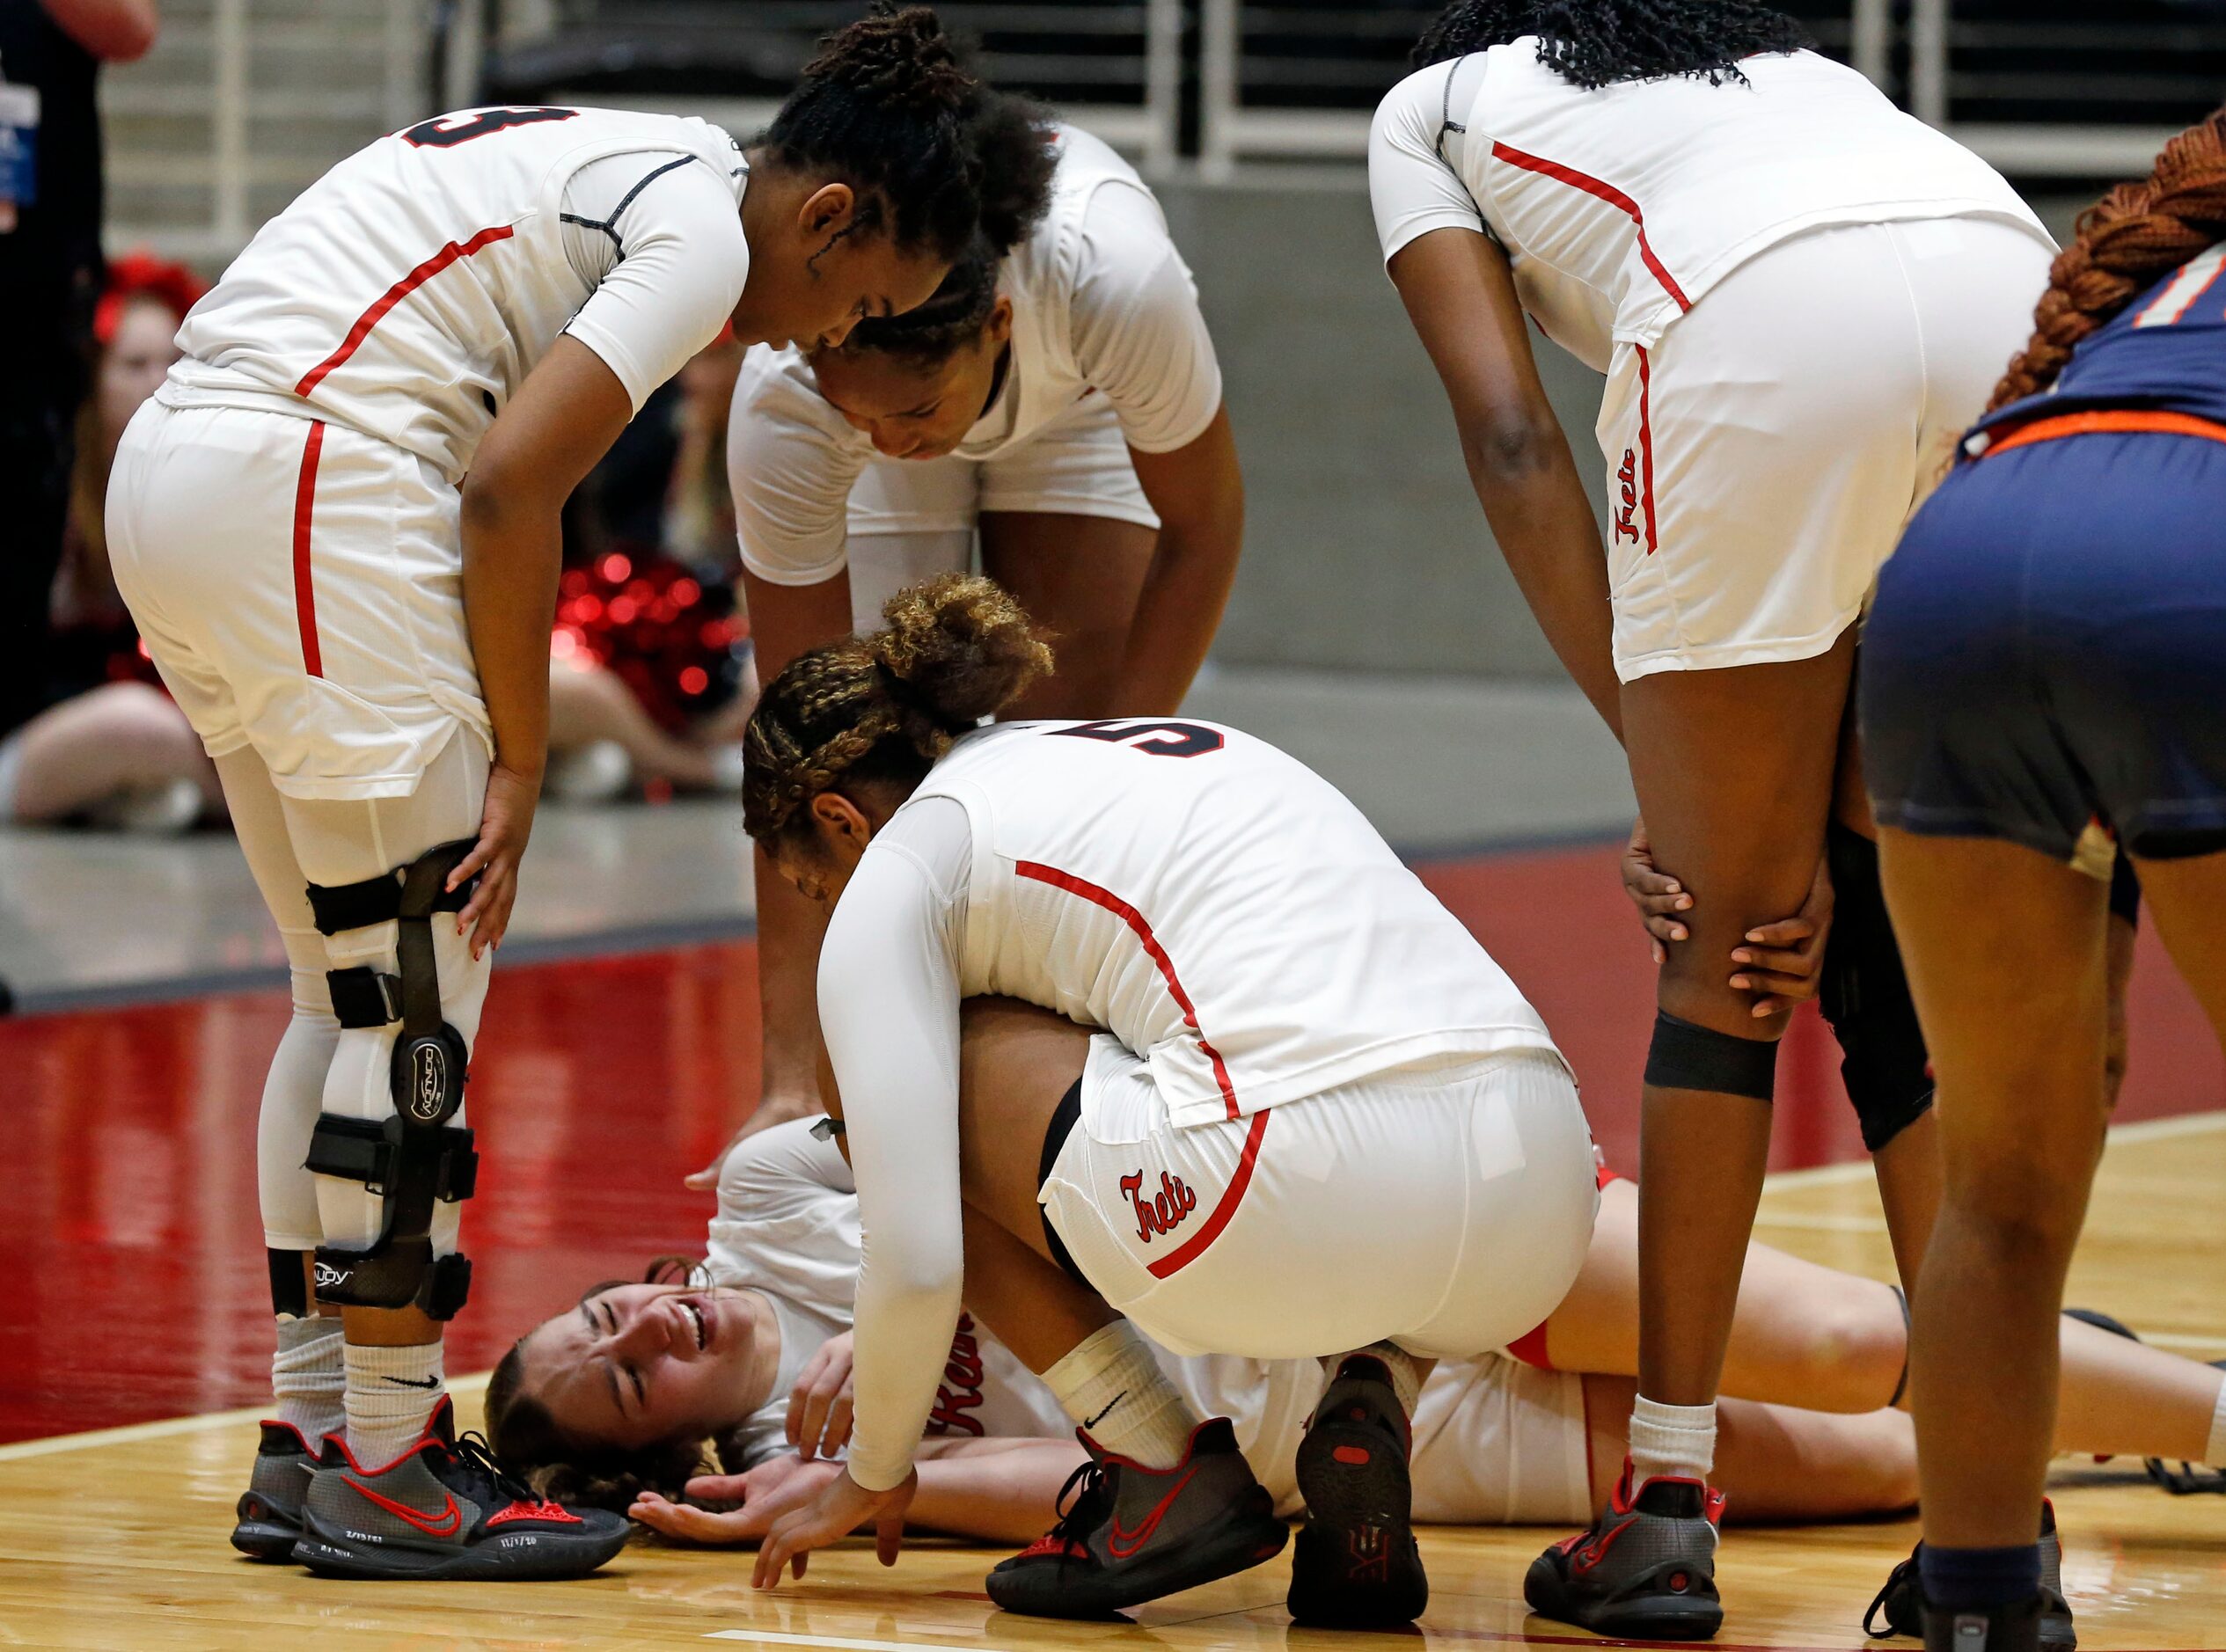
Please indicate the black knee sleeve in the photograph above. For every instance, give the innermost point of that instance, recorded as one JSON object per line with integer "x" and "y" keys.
{"x": 1864, "y": 993}
{"x": 288, "y": 1285}
{"x": 2125, "y": 887}
{"x": 1684, "y": 1057}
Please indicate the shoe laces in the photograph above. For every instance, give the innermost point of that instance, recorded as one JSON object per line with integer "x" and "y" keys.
{"x": 1896, "y": 1580}
{"x": 1082, "y": 1505}
{"x": 475, "y": 1453}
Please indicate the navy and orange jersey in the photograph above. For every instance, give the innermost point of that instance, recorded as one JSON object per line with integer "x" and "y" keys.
{"x": 2164, "y": 351}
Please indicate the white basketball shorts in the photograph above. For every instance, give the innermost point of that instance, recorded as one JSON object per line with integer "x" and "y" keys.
{"x": 1447, "y": 1208}
{"x": 1763, "y": 454}
{"x": 300, "y": 587}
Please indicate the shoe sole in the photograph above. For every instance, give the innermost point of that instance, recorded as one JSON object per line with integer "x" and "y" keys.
{"x": 1663, "y": 1617}
{"x": 266, "y": 1539}
{"x": 548, "y": 1558}
{"x": 1254, "y": 1539}
{"x": 1356, "y": 1565}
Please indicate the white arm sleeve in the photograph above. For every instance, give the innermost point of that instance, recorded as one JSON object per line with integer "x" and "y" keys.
{"x": 791, "y": 461}
{"x": 1138, "y": 334}
{"x": 889, "y": 1008}
{"x": 1412, "y": 191}
{"x": 660, "y": 236}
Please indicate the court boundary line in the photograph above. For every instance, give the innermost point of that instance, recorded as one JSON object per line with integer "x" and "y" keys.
{"x": 2139, "y": 1130}
{"x": 673, "y": 935}
{"x": 167, "y": 1428}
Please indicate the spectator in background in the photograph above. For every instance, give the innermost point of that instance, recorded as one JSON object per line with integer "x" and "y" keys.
{"x": 50, "y": 274}
{"x": 649, "y": 677}
{"x": 105, "y": 744}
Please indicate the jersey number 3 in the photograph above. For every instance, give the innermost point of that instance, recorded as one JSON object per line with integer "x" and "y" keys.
{"x": 1168, "y": 740}
{"x": 437, "y": 134}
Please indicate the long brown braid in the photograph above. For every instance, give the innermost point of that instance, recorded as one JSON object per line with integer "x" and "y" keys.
{"x": 2123, "y": 243}
{"x": 885, "y": 705}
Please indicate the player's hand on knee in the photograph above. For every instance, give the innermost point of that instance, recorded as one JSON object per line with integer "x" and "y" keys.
{"x": 1782, "y": 963}
{"x": 836, "y": 1510}
{"x": 819, "y": 1406}
{"x": 1659, "y": 896}
{"x": 506, "y": 821}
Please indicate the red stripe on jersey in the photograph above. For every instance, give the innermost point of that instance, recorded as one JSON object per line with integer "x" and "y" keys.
{"x": 305, "y": 587}
{"x": 1232, "y": 1196}
{"x": 1646, "y": 444}
{"x": 1134, "y": 919}
{"x": 1608, "y": 192}
{"x": 394, "y": 296}
{"x": 2180, "y": 293}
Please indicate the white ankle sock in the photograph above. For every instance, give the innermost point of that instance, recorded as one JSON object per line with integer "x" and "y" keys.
{"x": 307, "y": 1377}
{"x": 390, "y": 1393}
{"x": 1110, "y": 1383}
{"x": 2214, "y": 1453}
{"x": 1406, "y": 1374}
{"x": 1674, "y": 1440}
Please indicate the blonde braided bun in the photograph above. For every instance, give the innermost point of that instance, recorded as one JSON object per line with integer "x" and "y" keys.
{"x": 885, "y": 705}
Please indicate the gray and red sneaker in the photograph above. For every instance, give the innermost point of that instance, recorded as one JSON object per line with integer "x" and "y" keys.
{"x": 444, "y": 1508}
{"x": 1356, "y": 1565}
{"x": 1131, "y": 1534}
{"x": 270, "y": 1510}
{"x": 1902, "y": 1599}
{"x": 1646, "y": 1567}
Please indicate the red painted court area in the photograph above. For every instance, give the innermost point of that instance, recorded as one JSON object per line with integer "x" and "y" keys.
{"x": 129, "y": 1236}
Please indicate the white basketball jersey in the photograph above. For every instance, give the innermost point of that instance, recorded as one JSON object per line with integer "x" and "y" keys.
{"x": 1620, "y": 208}
{"x": 1217, "y": 907}
{"x": 410, "y": 290}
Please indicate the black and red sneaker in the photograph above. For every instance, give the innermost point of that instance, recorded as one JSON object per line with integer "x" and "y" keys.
{"x": 444, "y": 1508}
{"x": 1902, "y": 1599}
{"x": 1646, "y": 1567}
{"x": 1356, "y": 1565}
{"x": 270, "y": 1512}
{"x": 1131, "y": 1534}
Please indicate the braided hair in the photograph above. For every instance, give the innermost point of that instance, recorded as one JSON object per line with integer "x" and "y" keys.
{"x": 885, "y": 705}
{"x": 1596, "y": 43}
{"x": 939, "y": 155}
{"x": 2123, "y": 243}
{"x": 952, "y": 318}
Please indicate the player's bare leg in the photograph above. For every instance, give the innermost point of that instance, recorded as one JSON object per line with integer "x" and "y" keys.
{"x": 2019, "y": 1052}
{"x": 1165, "y": 1502}
{"x": 1735, "y": 771}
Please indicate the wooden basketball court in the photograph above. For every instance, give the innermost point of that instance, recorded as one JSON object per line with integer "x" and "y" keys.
{"x": 116, "y": 1539}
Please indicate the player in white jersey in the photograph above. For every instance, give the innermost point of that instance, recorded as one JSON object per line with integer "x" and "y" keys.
{"x": 1799, "y": 296}
{"x": 1304, "y": 1112}
{"x": 698, "y": 1388}
{"x": 1061, "y": 397}
{"x": 336, "y": 525}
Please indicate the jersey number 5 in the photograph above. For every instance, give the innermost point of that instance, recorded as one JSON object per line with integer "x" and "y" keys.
{"x": 1169, "y": 740}
{"x": 434, "y": 134}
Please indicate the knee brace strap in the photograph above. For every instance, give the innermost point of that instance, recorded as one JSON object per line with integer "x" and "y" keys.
{"x": 1864, "y": 994}
{"x": 411, "y": 1165}
{"x": 1686, "y": 1056}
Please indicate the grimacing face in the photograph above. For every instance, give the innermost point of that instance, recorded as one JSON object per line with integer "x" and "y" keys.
{"x": 636, "y": 1365}
{"x": 910, "y": 409}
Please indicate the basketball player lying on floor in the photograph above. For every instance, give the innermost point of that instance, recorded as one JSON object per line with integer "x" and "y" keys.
{"x": 615, "y": 1402}
{"x": 1396, "y": 1051}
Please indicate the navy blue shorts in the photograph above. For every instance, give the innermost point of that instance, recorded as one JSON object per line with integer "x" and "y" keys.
{"x": 2045, "y": 658}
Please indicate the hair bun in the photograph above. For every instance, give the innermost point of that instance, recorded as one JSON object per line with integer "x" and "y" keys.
{"x": 900, "y": 58}
{"x": 960, "y": 647}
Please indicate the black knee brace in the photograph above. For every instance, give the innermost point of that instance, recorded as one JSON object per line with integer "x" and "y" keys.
{"x": 415, "y": 1157}
{"x": 1686, "y": 1056}
{"x": 1864, "y": 993}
